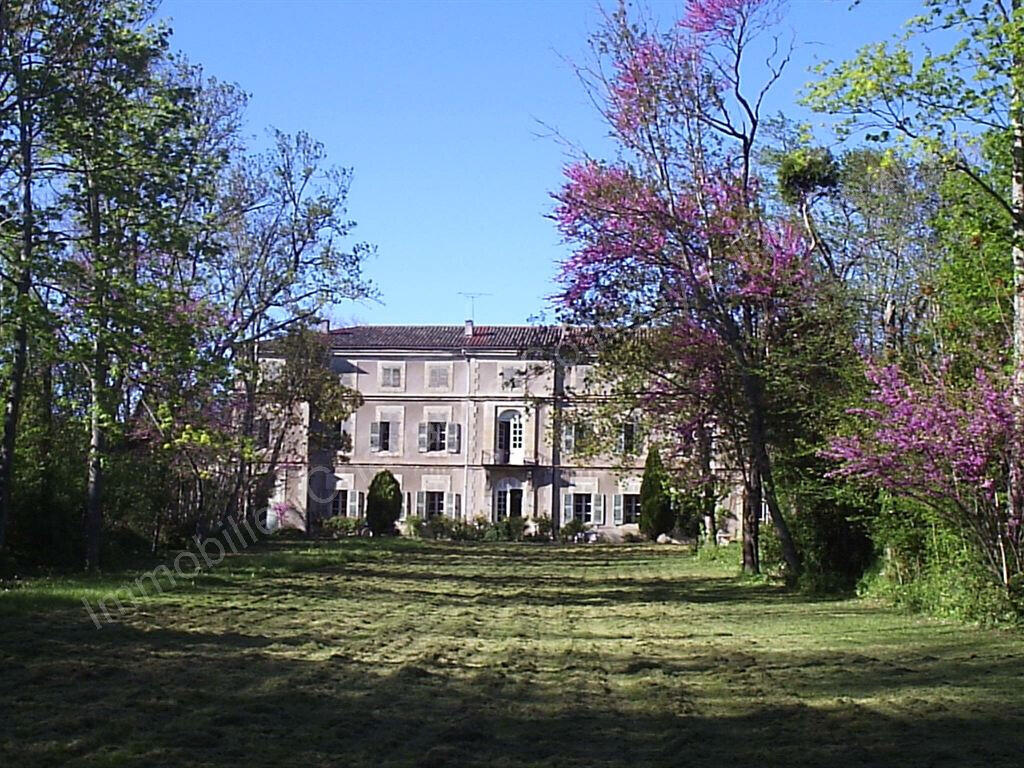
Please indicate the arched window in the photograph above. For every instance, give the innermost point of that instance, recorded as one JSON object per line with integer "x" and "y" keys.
{"x": 510, "y": 436}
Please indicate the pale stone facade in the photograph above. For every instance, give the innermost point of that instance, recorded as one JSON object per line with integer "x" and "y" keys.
{"x": 465, "y": 419}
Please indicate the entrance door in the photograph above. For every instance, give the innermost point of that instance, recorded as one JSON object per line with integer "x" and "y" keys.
{"x": 515, "y": 502}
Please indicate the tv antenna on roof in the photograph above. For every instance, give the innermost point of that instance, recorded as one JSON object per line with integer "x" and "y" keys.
{"x": 472, "y": 301}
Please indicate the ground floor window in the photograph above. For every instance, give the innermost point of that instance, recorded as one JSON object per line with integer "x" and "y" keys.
{"x": 630, "y": 508}
{"x": 434, "y": 504}
{"x": 508, "y": 502}
{"x": 581, "y": 507}
{"x": 339, "y": 504}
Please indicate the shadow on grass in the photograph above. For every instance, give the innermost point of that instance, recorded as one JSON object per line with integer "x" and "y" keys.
{"x": 163, "y": 697}
{"x": 147, "y": 693}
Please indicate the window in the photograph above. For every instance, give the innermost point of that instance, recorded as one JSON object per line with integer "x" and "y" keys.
{"x": 263, "y": 433}
{"x": 434, "y": 504}
{"x": 510, "y": 434}
{"x": 391, "y": 376}
{"x": 381, "y": 436}
{"x": 339, "y": 504}
{"x": 508, "y": 502}
{"x": 630, "y": 508}
{"x": 581, "y": 507}
{"x": 512, "y": 377}
{"x": 628, "y": 438}
{"x": 436, "y": 436}
{"x": 439, "y": 376}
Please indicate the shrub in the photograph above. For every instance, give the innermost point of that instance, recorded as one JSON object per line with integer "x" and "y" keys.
{"x": 928, "y": 564}
{"x": 383, "y": 504}
{"x": 569, "y": 531}
{"x": 343, "y": 526}
{"x": 541, "y": 529}
{"x": 656, "y": 514}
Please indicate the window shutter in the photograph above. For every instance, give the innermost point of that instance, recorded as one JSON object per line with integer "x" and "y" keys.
{"x": 620, "y": 441}
{"x": 353, "y": 504}
{"x": 617, "y": 509}
{"x": 362, "y": 504}
{"x": 598, "y": 508}
{"x": 422, "y": 437}
{"x": 405, "y": 507}
{"x": 448, "y": 505}
{"x": 566, "y": 508}
{"x": 421, "y": 504}
{"x": 395, "y": 436}
{"x": 374, "y": 435}
{"x": 452, "y": 436}
{"x": 568, "y": 437}
{"x": 458, "y": 506}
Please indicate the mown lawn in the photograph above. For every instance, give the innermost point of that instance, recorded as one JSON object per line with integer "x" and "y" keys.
{"x": 362, "y": 653}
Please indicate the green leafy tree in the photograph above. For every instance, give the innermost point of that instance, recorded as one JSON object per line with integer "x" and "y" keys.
{"x": 383, "y": 503}
{"x": 656, "y": 513}
{"x": 954, "y": 76}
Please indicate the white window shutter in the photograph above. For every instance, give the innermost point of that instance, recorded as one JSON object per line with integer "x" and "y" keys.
{"x": 395, "y": 436}
{"x": 422, "y": 437}
{"x": 404, "y": 511}
{"x": 568, "y": 437}
{"x": 620, "y": 441}
{"x": 374, "y": 435}
{"x": 617, "y": 509}
{"x": 448, "y": 505}
{"x": 452, "y": 437}
{"x": 566, "y": 508}
{"x": 598, "y": 508}
{"x": 421, "y": 504}
{"x": 353, "y": 504}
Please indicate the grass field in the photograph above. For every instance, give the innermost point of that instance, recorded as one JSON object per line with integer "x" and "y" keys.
{"x": 363, "y": 653}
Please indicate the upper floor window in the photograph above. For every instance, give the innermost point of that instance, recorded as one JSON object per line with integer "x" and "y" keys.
{"x": 382, "y": 436}
{"x": 628, "y": 437}
{"x": 263, "y": 433}
{"x": 439, "y": 376}
{"x": 391, "y": 375}
{"x": 513, "y": 377}
{"x": 437, "y": 438}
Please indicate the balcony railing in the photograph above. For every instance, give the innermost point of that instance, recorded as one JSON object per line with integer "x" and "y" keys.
{"x": 502, "y": 457}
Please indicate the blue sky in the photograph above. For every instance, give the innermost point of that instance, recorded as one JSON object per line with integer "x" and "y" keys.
{"x": 440, "y": 108}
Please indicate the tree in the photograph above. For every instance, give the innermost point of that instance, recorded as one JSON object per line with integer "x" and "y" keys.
{"x": 656, "y": 513}
{"x": 678, "y": 235}
{"x": 945, "y": 104}
{"x": 948, "y": 448}
{"x": 43, "y": 46}
{"x": 383, "y": 503}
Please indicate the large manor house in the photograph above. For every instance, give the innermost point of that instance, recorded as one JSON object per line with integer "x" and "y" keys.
{"x": 465, "y": 418}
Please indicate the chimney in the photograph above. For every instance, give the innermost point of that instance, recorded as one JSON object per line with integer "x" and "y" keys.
{"x": 468, "y": 333}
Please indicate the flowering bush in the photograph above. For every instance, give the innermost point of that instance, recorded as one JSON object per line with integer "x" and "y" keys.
{"x": 945, "y": 447}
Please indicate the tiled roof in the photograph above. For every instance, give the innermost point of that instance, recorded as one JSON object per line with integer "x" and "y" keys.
{"x": 512, "y": 337}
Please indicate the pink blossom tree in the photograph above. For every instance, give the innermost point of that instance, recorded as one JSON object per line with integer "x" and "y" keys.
{"x": 674, "y": 237}
{"x": 946, "y": 447}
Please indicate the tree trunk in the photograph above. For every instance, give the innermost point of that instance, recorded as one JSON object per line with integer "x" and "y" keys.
{"x": 761, "y": 467}
{"x": 751, "y": 521}
{"x": 94, "y": 488}
{"x": 22, "y": 299}
{"x": 708, "y": 496}
{"x": 1016, "y": 489}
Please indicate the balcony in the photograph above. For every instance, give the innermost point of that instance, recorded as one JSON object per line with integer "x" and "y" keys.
{"x": 505, "y": 458}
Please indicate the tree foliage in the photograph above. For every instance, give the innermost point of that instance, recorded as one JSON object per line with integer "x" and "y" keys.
{"x": 656, "y": 513}
{"x": 383, "y": 503}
